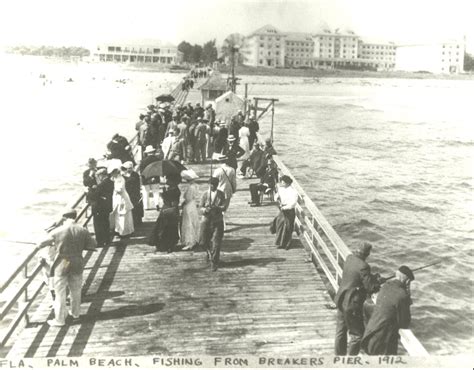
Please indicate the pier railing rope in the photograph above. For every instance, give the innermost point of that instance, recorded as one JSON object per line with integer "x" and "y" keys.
{"x": 328, "y": 251}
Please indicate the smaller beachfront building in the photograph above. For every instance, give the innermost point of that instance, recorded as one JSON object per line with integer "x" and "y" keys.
{"x": 442, "y": 58}
{"x": 136, "y": 52}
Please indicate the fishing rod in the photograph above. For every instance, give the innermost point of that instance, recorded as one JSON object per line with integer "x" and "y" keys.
{"x": 417, "y": 269}
{"x": 17, "y": 242}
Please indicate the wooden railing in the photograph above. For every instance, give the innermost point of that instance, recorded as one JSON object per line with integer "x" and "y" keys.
{"x": 328, "y": 251}
{"x": 26, "y": 283}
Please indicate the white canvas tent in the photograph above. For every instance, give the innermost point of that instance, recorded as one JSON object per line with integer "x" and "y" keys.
{"x": 227, "y": 105}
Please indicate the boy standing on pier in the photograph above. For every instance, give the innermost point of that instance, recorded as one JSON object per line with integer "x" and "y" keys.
{"x": 212, "y": 223}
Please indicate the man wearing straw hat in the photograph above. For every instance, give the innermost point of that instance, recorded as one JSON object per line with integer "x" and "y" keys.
{"x": 232, "y": 151}
{"x": 70, "y": 241}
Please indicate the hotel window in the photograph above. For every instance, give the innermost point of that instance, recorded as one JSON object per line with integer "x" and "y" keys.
{"x": 261, "y": 45}
{"x": 261, "y": 38}
{"x": 111, "y": 48}
{"x": 260, "y": 61}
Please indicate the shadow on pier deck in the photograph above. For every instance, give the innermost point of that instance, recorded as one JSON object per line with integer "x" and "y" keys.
{"x": 262, "y": 300}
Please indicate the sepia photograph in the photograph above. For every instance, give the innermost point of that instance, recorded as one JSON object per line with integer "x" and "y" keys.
{"x": 237, "y": 184}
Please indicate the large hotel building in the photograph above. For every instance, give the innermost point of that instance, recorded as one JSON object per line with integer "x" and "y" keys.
{"x": 269, "y": 47}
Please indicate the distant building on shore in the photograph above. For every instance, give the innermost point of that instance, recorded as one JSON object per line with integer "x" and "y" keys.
{"x": 324, "y": 48}
{"x": 270, "y": 47}
{"x": 445, "y": 57}
{"x": 136, "y": 53}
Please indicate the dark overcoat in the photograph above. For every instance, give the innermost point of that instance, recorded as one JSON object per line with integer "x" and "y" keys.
{"x": 392, "y": 312}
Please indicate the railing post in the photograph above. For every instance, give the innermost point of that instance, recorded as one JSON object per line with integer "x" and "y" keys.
{"x": 25, "y": 296}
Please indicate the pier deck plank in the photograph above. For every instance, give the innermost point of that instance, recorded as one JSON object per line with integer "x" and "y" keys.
{"x": 262, "y": 300}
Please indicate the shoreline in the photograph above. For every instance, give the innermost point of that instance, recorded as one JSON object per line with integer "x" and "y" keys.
{"x": 309, "y": 73}
{"x": 331, "y": 73}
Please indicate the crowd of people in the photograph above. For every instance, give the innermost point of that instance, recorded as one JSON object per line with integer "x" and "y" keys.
{"x": 119, "y": 195}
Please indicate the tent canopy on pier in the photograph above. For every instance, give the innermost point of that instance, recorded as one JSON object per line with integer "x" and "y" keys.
{"x": 227, "y": 105}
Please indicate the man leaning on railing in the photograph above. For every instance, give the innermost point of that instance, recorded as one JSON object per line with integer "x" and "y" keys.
{"x": 69, "y": 240}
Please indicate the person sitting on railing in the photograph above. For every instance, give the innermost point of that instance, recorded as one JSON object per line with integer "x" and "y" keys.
{"x": 269, "y": 149}
{"x": 256, "y": 161}
{"x": 283, "y": 224}
{"x": 357, "y": 281}
{"x": 391, "y": 313}
{"x": 70, "y": 240}
{"x": 267, "y": 183}
{"x": 100, "y": 200}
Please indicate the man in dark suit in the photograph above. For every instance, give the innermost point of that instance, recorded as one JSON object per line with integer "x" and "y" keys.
{"x": 212, "y": 223}
{"x": 391, "y": 313}
{"x": 357, "y": 282}
{"x": 232, "y": 151}
{"x": 256, "y": 161}
{"x": 88, "y": 177}
{"x": 100, "y": 199}
{"x": 267, "y": 182}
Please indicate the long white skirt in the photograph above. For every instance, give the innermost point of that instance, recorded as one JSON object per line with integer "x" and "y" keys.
{"x": 190, "y": 225}
{"x": 122, "y": 223}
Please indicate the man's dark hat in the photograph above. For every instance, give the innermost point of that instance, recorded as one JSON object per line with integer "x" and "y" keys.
{"x": 405, "y": 270}
{"x": 70, "y": 213}
{"x": 214, "y": 181}
{"x": 365, "y": 248}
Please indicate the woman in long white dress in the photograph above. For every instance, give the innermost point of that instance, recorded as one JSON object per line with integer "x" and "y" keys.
{"x": 121, "y": 217}
{"x": 244, "y": 134}
{"x": 190, "y": 218}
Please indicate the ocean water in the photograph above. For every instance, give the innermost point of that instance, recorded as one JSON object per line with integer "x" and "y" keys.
{"x": 391, "y": 162}
{"x": 387, "y": 161}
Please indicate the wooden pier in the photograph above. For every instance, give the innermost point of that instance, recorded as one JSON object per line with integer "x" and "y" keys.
{"x": 261, "y": 300}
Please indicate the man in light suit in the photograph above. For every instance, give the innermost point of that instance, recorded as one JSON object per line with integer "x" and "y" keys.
{"x": 212, "y": 222}
{"x": 227, "y": 181}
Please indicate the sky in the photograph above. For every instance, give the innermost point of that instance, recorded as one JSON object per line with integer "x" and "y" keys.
{"x": 87, "y": 22}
